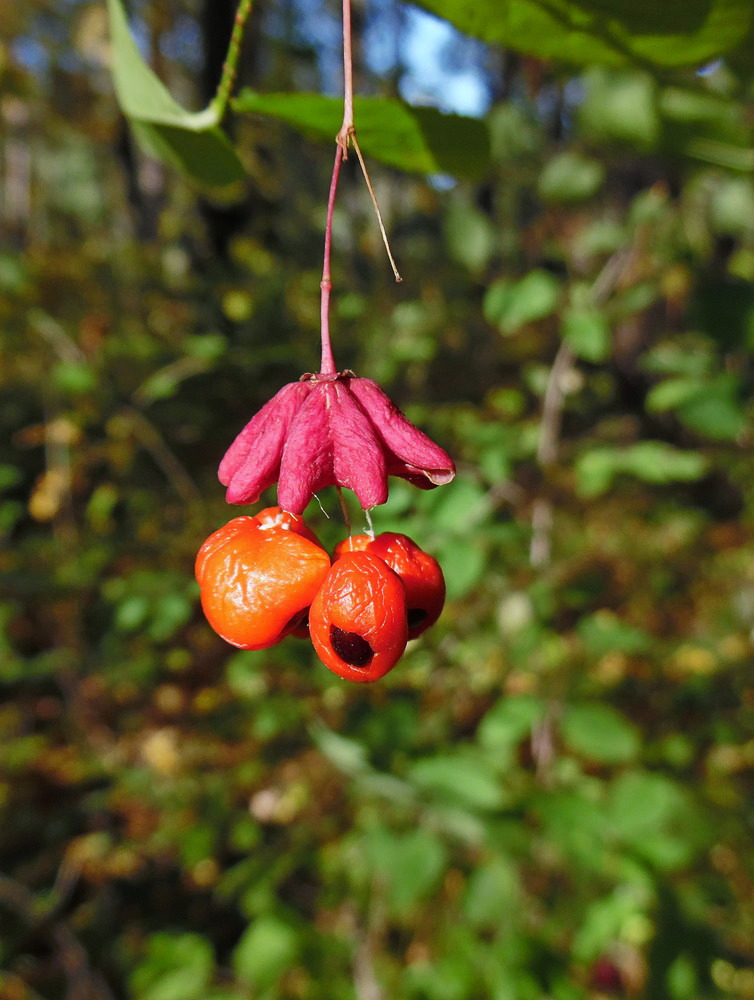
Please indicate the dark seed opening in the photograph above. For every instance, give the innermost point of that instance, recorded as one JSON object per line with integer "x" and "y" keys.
{"x": 415, "y": 616}
{"x": 351, "y": 647}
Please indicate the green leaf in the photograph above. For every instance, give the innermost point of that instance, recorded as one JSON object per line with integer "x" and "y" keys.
{"x": 515, "y": 134}
{"x": 674, "y": 33}
{"x": 719, "y": 417}
{"x": 244, "y": 675}
{"x": 451, "y": 510}
{"x": 189, "y": 141}
{"x": 683, "y": 979}
{"x": 169, "y": 613}
{"x": 132, "y": 612}
{"x": 267, "y": 949}
{"x": 651, "y": 461}
{"x": 452, "y": 975}
{"x": 603, "y": 632}
{"x": 10, "y": 476}
{"x": 698, "y": 107}
{"x": 587, "y": 333}
{"x": 732, "y": 206}
{"x": 570, "y": 177}
{"x": 716, "y": 412}
{"x": 461, "y": 779}
{"x": 710, "y": 407}
{"x": 510, "y": 720}
{"x": 604, "y": 920}
{"x": 620, "y": 107}
{"x": 464, "y": 565}
{"x": 206, "y": 156}
{"x": 681, "y": 359}
{"x": 197, "y": 844}
{"x": 657, "y": 462}
{"x": 469, "y": 234}
{"x": 408, "y": 864}
{"x": 346, "y": 754}
{"x": 140, "y": 93}
{"x": 672, "y": 393}
{"x": 574, "y": 825}
{"x": 418, "y": 140}
{"x": 74, "y": 377}
{"x": 175, "y": 967}
{"x": 14, "y": 274}
{"x": 493, "y": 890}
{"x": 641, "y": 802}
{"x": 512, "y": 304}
{"x": 655, "y": 817}
{"x": 600, "y": 733}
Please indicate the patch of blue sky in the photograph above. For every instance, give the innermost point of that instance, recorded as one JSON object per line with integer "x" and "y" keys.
{"x": 710, "y": 68}
{"x": 311, "y": 24}
{"x": 30, "y": 54}
{"x": 439, "y": 65}
{"x": 183, "y": 43}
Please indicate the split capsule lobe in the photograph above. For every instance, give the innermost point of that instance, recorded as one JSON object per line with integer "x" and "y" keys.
{"x": 357, "y": 620}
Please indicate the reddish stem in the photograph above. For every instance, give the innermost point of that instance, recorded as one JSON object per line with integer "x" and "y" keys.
{"x": 327, "y": 362}
{"x": 347, "y": 126}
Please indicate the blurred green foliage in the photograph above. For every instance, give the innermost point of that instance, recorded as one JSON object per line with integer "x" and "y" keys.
{"x": 550, "y": 796}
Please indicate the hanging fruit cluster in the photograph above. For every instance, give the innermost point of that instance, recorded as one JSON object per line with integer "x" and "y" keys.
{"x": 265, "y": 577}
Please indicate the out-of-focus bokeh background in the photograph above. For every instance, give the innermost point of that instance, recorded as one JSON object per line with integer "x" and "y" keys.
{"x": 551, "y": 795}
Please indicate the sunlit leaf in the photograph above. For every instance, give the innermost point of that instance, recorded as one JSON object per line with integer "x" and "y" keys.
{"x": 509, "y": 721}
{"x": 570, "y": 177}
{"x": 416, "y": 139}
{"x": 452, "y": 508}
{"x": 266, "y": 949}
{"x": 672, "y": 393}
{"x": 407, "y": 864}
{"x": 605, "y": 919}
{"x": 512, "y": 304}
{"x": 190, "y": 141}
{"x": 346, "y": 754}
{"x": 603, "y": 632}
{"x": 620, "y": 107}
{"x": 493, "y": 889}
{"x": 470, "y": 235}
{"x": 574, "y": 826}
{"x": 655, "y": 816}
{"x": 587, "y": 333}
{"x": 467, "y": 780}
{"x": 599, "y": 732}
{"x": 710, "y": 407}
{"x": 651, "y": 461}
{"x": 175, "y": 967}
{"x": 463, "y": 564}
{"x": 671, "y": 34}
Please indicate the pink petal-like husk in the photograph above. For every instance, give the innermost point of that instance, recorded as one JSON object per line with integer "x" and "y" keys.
{"x": 331, "y": 442}
{"x": 252, "y": 462}
{"x": 416, "y": 454}
{"x": 307, "y": 462}
{"x": 358, "y": 456}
